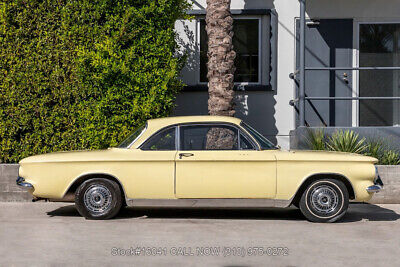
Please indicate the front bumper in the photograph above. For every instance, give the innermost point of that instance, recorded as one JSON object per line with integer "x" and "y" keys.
{"x": 378, "y": 184}
{"x": 374, "y": 188}
{"x": 21, "y": 182}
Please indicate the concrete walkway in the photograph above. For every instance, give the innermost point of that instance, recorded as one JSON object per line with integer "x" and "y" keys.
{"x": 43, "y": 234}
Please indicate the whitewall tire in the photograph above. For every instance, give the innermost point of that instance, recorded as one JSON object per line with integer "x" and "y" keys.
{"x": 324, "y": 200}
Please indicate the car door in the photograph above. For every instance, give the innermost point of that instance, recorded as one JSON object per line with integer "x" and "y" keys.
{"x": 153, "y": 171}
{"x": 220, "y": 161}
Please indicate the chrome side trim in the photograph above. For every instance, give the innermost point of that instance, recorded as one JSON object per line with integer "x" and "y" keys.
{"x": 21, "y": 182}
{"x": 374, "y": 188}
{"x": 144, "y": 130}
{"x": 209, "y": 203}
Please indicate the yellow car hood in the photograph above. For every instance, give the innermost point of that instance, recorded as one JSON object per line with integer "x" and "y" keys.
{"x": 69, "y": 156}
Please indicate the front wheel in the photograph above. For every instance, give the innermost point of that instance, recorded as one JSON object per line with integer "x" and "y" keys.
{"x": 98, "y": 199}
{"x": 324, "y": 200}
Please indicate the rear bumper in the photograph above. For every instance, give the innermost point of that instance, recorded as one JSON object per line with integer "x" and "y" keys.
{"x": 21, "y": 182}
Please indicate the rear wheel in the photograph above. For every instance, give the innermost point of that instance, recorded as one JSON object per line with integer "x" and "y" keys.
{"x": 98, "y": 199}
{"x": 324, "y": 200}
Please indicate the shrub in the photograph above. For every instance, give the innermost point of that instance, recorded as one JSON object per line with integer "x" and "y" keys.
{"x": 79, "y": 74}
{"x": 349, "y": 141}
{"x": 346, "y": 141}
{"x": 316, "y": 139}
{"x": 390, "y": 157}
{"x": 374, "y": 148}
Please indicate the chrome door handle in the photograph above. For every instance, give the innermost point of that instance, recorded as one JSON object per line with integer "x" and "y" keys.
{"x": 185, "y": 155}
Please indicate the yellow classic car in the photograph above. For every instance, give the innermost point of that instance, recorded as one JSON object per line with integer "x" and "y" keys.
{"x": 201, "y": 161}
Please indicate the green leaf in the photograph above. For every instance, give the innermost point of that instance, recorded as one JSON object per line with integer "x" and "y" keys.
{"x": 82, "y": 74}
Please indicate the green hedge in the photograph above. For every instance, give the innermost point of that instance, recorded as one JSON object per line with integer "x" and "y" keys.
{"x": 81, "y": 74}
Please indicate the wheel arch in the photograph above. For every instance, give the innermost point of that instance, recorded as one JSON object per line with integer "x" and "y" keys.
{"x": 84, "y": 177}
{"x": 317, "y": 176}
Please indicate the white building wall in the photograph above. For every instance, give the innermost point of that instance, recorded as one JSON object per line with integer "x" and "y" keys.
{"x": 287, "y": 11}
{"x": 269, "y": 111}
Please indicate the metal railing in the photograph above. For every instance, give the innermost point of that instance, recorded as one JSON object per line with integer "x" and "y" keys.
{"x": 302, "y": 98}
{"x": 356, "y": 98}
{"x": 302, "y": 104}
{"x": 352, "y": 68}
{"x": 293, "y": 76}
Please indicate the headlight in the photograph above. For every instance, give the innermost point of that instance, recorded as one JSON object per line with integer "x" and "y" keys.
{"x": 20, "y": 171}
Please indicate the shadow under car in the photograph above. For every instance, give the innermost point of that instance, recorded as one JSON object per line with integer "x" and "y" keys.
{"x": 356, "y": 212}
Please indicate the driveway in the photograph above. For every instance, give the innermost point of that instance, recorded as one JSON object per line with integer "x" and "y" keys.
{"x": 38, "y": 234}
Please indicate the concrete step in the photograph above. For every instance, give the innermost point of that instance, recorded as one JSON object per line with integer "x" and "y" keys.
{"x": 9, "y": 191}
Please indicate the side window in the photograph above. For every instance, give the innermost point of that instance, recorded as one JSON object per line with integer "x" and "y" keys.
{"x": 245, "y": 143}
{"x": 164, "y": 140}
{"x": 209, "y": 137}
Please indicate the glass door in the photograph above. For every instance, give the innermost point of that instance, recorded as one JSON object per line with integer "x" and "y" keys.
{"x": 379, "y": 47}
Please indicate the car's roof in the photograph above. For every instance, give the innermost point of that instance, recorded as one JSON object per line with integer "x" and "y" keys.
{"x": 192, "y": 119}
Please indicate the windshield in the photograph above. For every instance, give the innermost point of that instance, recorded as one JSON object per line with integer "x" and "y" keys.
{"x": 132, "y": 137}
{"x": 264, "y": 142}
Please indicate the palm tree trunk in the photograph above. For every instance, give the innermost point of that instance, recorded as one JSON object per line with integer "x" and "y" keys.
{"x": 221, "y": 57}
{"x": 221, "y": 68}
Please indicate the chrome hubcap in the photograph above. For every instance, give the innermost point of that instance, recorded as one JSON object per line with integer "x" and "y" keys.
{"x": 324, "y": 199}
{"x": 97, "y": 199}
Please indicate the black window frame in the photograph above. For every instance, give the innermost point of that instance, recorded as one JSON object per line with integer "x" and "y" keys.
{"x": 177, "y": 127}
{"x": 270, "y": 84}
{"x": 158, "y": 132}
{"x": 259, "y": 73}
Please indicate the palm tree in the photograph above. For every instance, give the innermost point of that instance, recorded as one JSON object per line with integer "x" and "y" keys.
{"x": 221, "y": 69}
{"x": 221, "y": 58}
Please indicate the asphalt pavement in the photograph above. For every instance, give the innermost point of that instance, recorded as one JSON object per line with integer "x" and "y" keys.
{"x": 53, "y": 234}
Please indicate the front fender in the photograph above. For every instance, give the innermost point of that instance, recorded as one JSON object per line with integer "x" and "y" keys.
{"x": 292, "y": 175}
